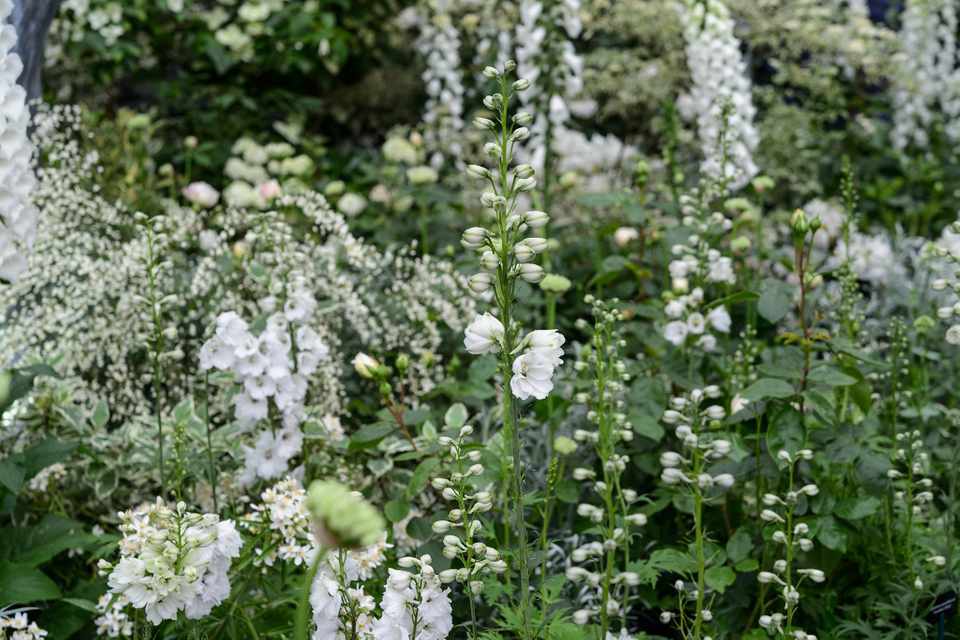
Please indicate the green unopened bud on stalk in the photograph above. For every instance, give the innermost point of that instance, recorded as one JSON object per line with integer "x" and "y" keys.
{"x": 522, "y": 133}
{"x": 521, "y": 85}
{"x": 489, "y": 261}
{"x": 798, "y": 222}
{"x": 523, "y": 119}
{"x": 526, "y": 184}
{"x": 539, "y": 245}
{"x": 342, "y": 519}
{"x": 491, "y": 72}
{"x": 523, "y": 252}
{"x": 524, "y": 171}
{"x": 564, "y": 445}
{"x": 366, "y": 365}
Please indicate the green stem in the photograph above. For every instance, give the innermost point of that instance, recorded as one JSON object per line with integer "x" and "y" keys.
{"x": 301, "y": 629}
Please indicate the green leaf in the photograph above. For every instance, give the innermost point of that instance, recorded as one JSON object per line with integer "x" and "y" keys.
{"x": 372, "y": 433}
{"x": 647, "y": 426}
{"x": 101, "y": 414}
{"x": 832, "y": 534}
{"x": 739, "y": 545}
{"x": 456, "y": 416}
{"x": 857, "y": 508}
{"x": 420, "y": 477}
{"x": 785, "y": 431}
{"x": 748, "y": 565}
{"x": 45, "y": 453}
{"x": 768, "y": 388}
{"x": 86, "y": 605}
{"x": 396, "y": 510}
{"x": 740, "y": 296}
{"x": 673, "y": 561}
{"x": 830, "y": 377}
{"x": 11, "y": 474}
{"x": 719, "y": 578}
{"x": 23, "y": 584}
{"x": 776, "y": 300}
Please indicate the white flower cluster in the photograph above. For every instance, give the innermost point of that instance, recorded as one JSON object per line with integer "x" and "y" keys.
{"x": 340, "y": 605}
{"x": 276, "y": 364}
{"x": 778, "y": 512}
{"x": 720, "y": 100}
{"x": 41, "y": 482}
{"x": 871, "y": 257}
{"x": 688, "y": 418}
{"x": 260, "y": 173}
{"x": 76, "y": 20}
{"x": 439, "y": 44}
{"x": 688, "y": 325}
{"x": 476, "y": 557}
{"x": 697, "y": 263}
{"x": 281, "y": 521}
{"x": 927, "y": 75}
{"x": 534, "y": 368}
{"x": 172, "y": 560}
{"x": 414, "y": 605}
{"x": 112, "y": 620}
{"x": 19, "y": 628}
{"x": 948, "y": 252}
{"x": 18, "y": 215}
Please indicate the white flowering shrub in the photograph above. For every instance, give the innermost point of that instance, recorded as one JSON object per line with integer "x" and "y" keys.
{"x": 627, "y": 320}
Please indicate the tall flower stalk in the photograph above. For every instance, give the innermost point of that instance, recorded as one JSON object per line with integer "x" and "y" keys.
{"x": 527, "y": 362}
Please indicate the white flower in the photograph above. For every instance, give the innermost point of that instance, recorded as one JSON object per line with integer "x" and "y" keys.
{"x": 719, "y": 319}
{"x": 625, "y": 235}
{"x": 696, "y": 324}
{"x": 173, "y": 560}
{"x": 953, "y": 335}
{"x": 351, "y": 204}
{"x": 483, "y": 335}
{"x": 675, "y": 332}
{"x": 532, "y": 376}
{"x": 201, "y": 194}
{"x": 548, "y": 342}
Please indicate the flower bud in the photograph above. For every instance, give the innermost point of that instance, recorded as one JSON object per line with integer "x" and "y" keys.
{"x": 532, "y": 273}
{"x": 480, "y": 282}
{"x": 521, "y": 85}
{"x": 474, "y": 237}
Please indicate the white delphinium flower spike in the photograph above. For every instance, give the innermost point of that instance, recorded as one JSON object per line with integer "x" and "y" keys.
{"x": 18, "y": 215}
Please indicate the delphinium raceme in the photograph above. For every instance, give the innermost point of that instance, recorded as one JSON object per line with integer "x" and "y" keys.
{"x": 720, "y": 100}
{"x": 781, "y": 515}
{"x": 598, "y": 563}
{"x": 173, "y": 561}
{"x": 18, "y": 215}
{"x": 697, "y": 264}
{"x": 462, "y": 529}
{"x": 414, "y": 605}
{"x": 527, "y": 361}
{"x": 949, "y": 280}
{"x": 697, "y": 423}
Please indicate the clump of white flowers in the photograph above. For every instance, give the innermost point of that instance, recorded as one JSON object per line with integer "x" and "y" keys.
{"x": 780, "y": 513}
{"x": 19, "y": 627}
{"x": 697, "y": 423}
{"x": 341, "y": 607}
{"x": 439, "y": 44}
{"x": 112, "y": 620}
{"x": 721, "y": 99}
{"x": 696, "y": 264}
{"x": 597, "y": 563}
{"x": 53, "y": 473}
{"x": 948, "y": 250}
{"x": 280, "y": 523}
{"x": 274, "y": 365}
{"x": 414, "y": 605}
{"x": 926, "y": 74}
{"x": 172, "y": 561}
{"x": 259, "y": 174}
{"x": 18, "y": 215}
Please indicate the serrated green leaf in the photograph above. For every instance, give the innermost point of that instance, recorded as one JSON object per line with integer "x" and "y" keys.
{"x": 776, "y": 300}
{"x": 830, "y": 376}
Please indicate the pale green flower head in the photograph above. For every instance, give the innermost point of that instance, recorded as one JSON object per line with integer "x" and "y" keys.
{"x": 564, "y": 445}
{"x": 554, "y": 283}
{"x": 342, "y": 518}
